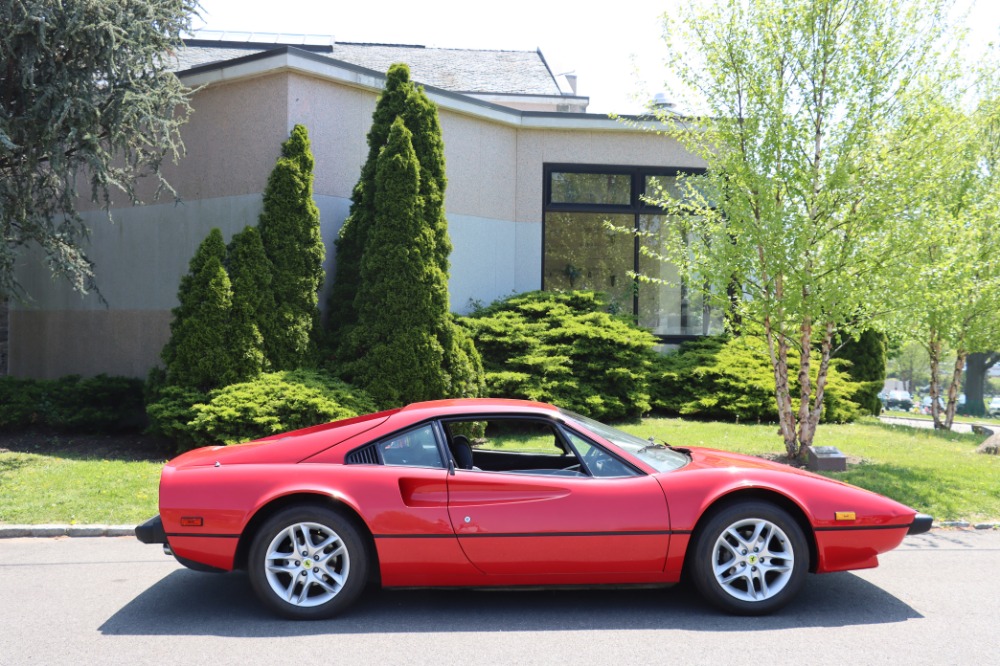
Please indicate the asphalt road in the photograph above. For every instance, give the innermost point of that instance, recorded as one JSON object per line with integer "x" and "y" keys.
{"x": 935, "y": 600}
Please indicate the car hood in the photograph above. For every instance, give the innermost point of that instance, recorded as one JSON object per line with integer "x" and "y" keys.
{"x": 288, "y": 448}
{"x": 702, "y": 458}
{"x": 820, "y": 497}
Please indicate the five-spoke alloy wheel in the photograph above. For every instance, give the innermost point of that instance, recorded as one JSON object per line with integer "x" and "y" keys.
{"x": 750, "y": 558}
{"x": 308, "y": 562}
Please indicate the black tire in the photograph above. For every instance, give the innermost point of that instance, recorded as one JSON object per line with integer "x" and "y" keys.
{"x": 324, "y": 581}
{"x": 756, "y": 582}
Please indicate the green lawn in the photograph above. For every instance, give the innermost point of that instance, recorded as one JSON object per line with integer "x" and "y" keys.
{"x": 50, "y": 488}
{"x": 937, "y": 473}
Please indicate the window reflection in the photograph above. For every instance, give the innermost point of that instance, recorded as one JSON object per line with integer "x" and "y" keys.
{"x": 581, "y": 252}
{"x": 592, "y": 188}
{"x": 668, "y": 305}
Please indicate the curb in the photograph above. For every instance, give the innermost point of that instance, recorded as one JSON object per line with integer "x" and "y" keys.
{"x": 15, "y": 531}
{"x": 964, "y": 525}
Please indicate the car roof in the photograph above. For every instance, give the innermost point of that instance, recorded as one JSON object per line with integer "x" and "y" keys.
{"x": 420, "y": 411}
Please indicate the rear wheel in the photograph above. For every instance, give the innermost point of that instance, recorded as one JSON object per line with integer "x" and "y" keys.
{"x": 750, "y": 558}
{"x": 308, "y": 563}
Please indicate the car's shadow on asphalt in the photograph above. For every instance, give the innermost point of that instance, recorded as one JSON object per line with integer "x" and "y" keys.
{"x": 188, "y": 603}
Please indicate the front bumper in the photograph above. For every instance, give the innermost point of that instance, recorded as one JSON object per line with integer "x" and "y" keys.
{"x": 151, "y": 531}
{"x": 921, "y": 523}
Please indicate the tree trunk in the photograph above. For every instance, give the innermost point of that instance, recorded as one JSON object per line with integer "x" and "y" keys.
{"x": 978, "y": 365}
{"x": 805, "y": 388}
{"x": 934, "y": 353}
{"x": 816, "y": 413}
{"x": 777, "y": 348}
{"x": 956, "y": 378}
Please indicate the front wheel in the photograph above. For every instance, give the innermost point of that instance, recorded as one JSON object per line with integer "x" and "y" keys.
{"x": 750, "y": 558}
{"x": 308, "y": 563}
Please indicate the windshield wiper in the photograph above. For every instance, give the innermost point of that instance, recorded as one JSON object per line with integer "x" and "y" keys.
{"x": 654, "y": 445}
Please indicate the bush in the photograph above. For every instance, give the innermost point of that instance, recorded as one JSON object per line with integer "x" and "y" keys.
{"x": 404, "y": 346}
{"x": 565, "y": 348}
{"x": 272, "y": 403}
{"x": 732, "y": 379}
{"x": 867, "y": 365}
{"x": 71, "y": 403}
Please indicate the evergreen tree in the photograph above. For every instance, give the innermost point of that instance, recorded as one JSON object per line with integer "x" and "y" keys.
{"x": 213, "y": 247}
{"x": 868, "y": 360}
{"x": 400, "y": 98}
{"x": 201, "y": 350}
{"x": 289, "y": 229}
{"x": 250, "y": 273}
{"x": 452, "y": 359}
{"x": 399, "y": 356}
{"x": 87, "y": 97}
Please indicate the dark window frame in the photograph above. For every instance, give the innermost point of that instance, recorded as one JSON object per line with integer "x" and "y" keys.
{"x": 637, "y": 208}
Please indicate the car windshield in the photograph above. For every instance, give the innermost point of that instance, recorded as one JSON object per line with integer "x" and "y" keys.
{"x": 660, "y": 457}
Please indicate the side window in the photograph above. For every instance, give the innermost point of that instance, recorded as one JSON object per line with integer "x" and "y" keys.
{"x": 598, "y": 462}
{"x": 413, "y": 448}
{"x": 520, "y": 436}
{"x": 511, "y": 445}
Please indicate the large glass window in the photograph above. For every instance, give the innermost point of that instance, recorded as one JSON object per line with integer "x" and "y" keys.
{"x": 582, "y": 252}
{"x": 591, "y": 188}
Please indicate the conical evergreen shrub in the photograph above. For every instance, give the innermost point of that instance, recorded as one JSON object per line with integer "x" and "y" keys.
{"x": 360, "y": 249}
{"x": 290, "y": 231}
{"x": 399, "y": 356}
{"x": 250, "y": 274}
{"x": 400, "y": 98}
{"x": 202, "y": 356}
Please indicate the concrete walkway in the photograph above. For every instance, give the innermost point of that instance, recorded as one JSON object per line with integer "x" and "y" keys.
{"x": 929, "y": 424}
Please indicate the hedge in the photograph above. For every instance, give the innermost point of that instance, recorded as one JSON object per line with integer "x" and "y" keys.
{"x": 272, "y": 403}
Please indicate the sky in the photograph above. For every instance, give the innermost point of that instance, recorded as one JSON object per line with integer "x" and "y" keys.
{"x": 615, "y": 48}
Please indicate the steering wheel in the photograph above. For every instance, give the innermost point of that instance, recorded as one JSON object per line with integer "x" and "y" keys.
{"x": 594, "y": 460}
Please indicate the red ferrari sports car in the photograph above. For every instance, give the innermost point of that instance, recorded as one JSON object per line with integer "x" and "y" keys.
{"x": 508, "y": 493}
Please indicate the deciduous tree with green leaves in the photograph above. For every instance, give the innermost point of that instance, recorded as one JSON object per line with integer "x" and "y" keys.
{"x": 85, "y": 95}
{"x": 797, "y": 209}
{"x": 952, "y": 303}
{"x": 290, "y": 231}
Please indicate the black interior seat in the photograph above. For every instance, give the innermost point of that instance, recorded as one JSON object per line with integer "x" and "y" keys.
{"x": 461, "y": 451}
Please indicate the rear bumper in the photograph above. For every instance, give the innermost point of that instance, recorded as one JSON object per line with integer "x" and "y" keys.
{"x": 921, "y": 523}
{"x": 151, "y": 531}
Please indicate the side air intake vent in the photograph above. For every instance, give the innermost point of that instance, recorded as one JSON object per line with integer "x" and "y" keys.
{"x": 366, "y": 455}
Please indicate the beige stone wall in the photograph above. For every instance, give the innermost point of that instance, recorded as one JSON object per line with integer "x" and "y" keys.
{"x": 231, "y": 142}
{"x": 494, "y": 205}
{"x": 233, "y": 138}
{"x": 480, "y": 158}
{"x": 338, "y": 119}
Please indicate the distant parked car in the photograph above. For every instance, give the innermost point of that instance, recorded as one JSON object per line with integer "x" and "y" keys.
{"x": 899, "y": 400}
{"x": 925, "y": 403}
{"x": 994, "y": 407}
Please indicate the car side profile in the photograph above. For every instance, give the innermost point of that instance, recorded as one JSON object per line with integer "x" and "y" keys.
{"x": 502, "y": 493}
